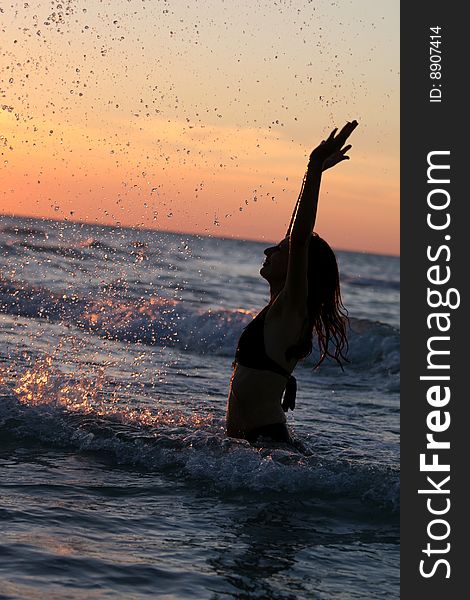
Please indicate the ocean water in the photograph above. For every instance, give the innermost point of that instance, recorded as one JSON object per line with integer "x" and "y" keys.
{"x": 116, "y": 478}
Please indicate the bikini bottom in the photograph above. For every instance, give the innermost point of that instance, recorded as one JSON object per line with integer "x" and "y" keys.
{"x": 277, "y": 432}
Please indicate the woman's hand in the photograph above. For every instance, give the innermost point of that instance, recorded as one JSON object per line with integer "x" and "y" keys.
{"x": 336, "y": 158}
{"x": 328, "y": 154}
{"x": 332, "y": 150}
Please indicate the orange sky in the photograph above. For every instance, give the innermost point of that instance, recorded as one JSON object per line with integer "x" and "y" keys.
{"x": 201, "y": 118}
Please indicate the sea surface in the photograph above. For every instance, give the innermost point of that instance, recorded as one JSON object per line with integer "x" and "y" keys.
{"x": 116, "y": 478}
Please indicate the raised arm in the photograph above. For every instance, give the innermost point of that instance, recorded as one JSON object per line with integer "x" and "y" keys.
{"x": 329, "y": 153}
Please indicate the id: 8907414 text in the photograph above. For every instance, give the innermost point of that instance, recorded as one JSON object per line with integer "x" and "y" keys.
{"x": 435, "y": 66}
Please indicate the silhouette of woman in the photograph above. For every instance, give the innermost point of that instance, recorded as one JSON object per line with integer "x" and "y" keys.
{"x": 303, "y": 278}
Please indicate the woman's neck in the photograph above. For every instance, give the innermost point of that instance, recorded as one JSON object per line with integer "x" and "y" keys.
{"x": 275, "y": 288}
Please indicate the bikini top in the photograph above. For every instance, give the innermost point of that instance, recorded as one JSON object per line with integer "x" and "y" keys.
{"x": 251, "y": 353}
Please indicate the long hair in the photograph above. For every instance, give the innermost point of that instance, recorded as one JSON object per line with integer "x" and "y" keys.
{"x": 327, "y": 316}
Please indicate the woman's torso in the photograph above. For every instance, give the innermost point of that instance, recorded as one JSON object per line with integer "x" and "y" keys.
{"x": 254, "y": 400}
{"x": 257, "y": 383}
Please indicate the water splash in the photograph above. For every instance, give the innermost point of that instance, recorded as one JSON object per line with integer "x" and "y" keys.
{"x": 43, "y": 385}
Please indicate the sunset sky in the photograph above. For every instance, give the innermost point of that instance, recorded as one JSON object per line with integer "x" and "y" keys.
{"x": 199, "y": 116}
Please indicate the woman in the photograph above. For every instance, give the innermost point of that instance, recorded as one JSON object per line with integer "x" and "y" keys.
{"x": 305, "y": 298}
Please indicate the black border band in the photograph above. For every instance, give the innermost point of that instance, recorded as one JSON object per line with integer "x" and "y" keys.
{"x": 434, "y": 261}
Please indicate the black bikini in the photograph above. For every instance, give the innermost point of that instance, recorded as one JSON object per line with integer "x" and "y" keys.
{"x": 252, "y": 353}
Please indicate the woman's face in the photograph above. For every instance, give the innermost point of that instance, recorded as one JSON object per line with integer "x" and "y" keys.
{"x": 275, "y": 265}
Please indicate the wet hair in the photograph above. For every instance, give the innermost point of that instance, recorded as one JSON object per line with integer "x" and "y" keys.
{"x": 327, "y": 316}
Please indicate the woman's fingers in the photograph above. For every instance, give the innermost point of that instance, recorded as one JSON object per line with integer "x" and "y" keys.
{"x": 346, "y": 131}
{"x": 340, "y": 156}
{"x": 340, "y": 138}
{"x": 333, "y": 145}
{"x": 333, "y": 133}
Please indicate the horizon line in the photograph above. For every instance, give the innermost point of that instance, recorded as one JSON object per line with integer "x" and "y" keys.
{"x": 174, "y": 232}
